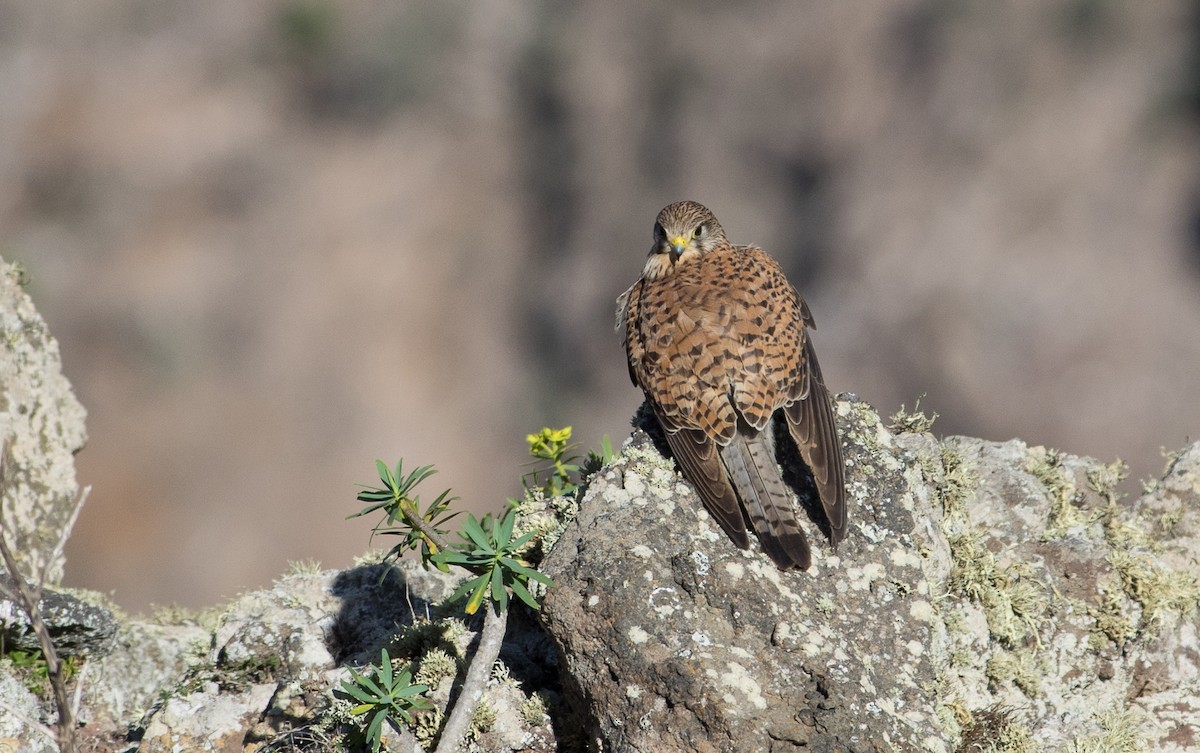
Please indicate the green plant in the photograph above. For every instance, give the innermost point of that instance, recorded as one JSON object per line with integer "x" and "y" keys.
{"x": 556, "y": 472}
{"x": 33, "y": 667}
{"x": 384, "y": 696}
{"x": 419, "y": 529}
{"x": 488, "y": 550}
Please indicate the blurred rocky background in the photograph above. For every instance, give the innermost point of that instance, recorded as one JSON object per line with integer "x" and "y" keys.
{"x": 279, "y": 240}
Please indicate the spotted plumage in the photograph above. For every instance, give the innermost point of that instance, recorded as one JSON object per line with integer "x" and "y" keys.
{"x": 717, "y": 339}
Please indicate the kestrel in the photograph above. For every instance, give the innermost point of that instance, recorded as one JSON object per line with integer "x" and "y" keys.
{"x": 717, "y": 339}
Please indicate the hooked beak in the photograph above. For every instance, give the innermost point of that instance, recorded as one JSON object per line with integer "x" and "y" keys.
{"x": 678, "y": 244}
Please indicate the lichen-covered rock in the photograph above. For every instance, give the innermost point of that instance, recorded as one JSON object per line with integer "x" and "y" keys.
{"x": 987, "y": 593}
{"x": 19, "y": 716}
{"x": 675, "y": 640}
{"x": 76, "y": 626}
{"x": 146, "y": 658}
{"x": 42, "y": 423}
{"x": 277, "y": 654}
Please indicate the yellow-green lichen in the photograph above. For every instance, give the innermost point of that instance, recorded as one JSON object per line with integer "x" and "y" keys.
{"x": 996, "y": 730}
{"x": 956, "y": 482}
{"x": 426, "y": 726}
{"x": 1120, "y": 732}
{"x": 1013, "y": 600}
{"x": 916, "y": 422}
{"x": 1164, "y": 594}
{"x": 482, "y": 720}
{"x": 545, "y": 517}
{"x": 435, "y": 666}
{"x": 303, "y": 567}
{"x": 1112, "y": 621}
{"x": 424, "y": 636}
{"x": 1022, "y": 668}
{"x": 534, "y": 710}
{"x": 1065, "y": 511}
{"x": 1170, "y": 519}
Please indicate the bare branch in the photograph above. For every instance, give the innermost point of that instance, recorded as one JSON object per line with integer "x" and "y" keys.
{"x": 490, "y": 639}
{"x": 30, "y": 599}
{"x": 33, "y": 724}
{"x": 65, "y": 533}
{"x": 428, "y": 531}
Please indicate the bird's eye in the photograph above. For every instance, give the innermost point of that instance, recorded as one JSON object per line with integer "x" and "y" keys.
{"x": 699, "y": 232}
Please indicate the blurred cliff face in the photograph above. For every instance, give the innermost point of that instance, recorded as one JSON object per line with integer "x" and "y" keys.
{"x": 278, "y": 241}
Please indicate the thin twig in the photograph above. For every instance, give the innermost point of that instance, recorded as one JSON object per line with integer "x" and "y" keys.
{"x": 34, "y": 724}
{"x": 490, "y": 639}
{"x": 64, "y": 534}
{"x": 30, "y": 599}
{"x": 426, "y": 529}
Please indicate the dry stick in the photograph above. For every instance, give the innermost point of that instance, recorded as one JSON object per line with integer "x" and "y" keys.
{"x": 490, "y": 638}
{"x": 30, "y": 599}
{"x": 33, "y": 724}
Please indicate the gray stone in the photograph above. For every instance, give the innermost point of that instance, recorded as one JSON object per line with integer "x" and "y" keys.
{"x": 43, "y": 425}
{"x": 76, "y": 626}
{"x": 987, "y": 591}
{"x": 675, "y": 640}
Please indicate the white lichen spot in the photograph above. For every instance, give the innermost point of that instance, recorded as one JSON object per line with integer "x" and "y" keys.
{"x": 637, "y": 635}
{"x": 864, "y": 682}
{"x": 916, "y": 648}
{"x": 739, "y": 680}
{"x": 701, "y": 639}
{"x": 593, "y": 600}
{"x": 735, "y": 569}
{"x": 763, "y": 568}
{"x": 934, "y": 745}
{"x": 921, "y": 610}
{"x": 636, "y": 488}
{"x": 904, "y": 558}
{"x": 662, "y": 601}
{"x": 701, "y": 561}
{"x": 861, "y": 578}
{"x": 873, "y": 533}
{"x": 633, "y": 692}
{"x": 641, "y": 550}
{"x": 782, "y": 633}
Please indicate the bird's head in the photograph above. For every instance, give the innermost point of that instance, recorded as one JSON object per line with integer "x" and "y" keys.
{"x": 683, "y": 232}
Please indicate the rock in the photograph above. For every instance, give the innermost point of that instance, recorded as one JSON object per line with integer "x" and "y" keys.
{"x": 675, "y": 640}
{"x": 986, "y": 591}
{"x": 43, "y": 424}
{"x": 146, "y": 659}
{"x": 76, "y": 626}
{"x": 18, "y": 715}
{"x": 278, "y": 653}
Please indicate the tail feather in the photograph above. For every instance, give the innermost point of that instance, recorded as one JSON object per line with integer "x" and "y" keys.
{"x": 750, "y": 461}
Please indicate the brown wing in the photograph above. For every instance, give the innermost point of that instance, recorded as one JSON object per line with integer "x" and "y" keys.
{"x": 811, "y": 423}
{"x": 700, "y": 462}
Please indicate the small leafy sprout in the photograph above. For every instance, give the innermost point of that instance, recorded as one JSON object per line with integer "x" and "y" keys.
{"x": 384, "y": 696}
{"x": 597, "y": 459}
{"x": 488, "y": 550}
{"x": 404, "y": 514}
{"x": 556, "y": 472}
{"x": 551, "y": 447}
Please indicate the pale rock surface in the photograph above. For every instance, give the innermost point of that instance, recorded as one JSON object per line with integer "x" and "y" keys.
{"x": 42, "y": 423}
